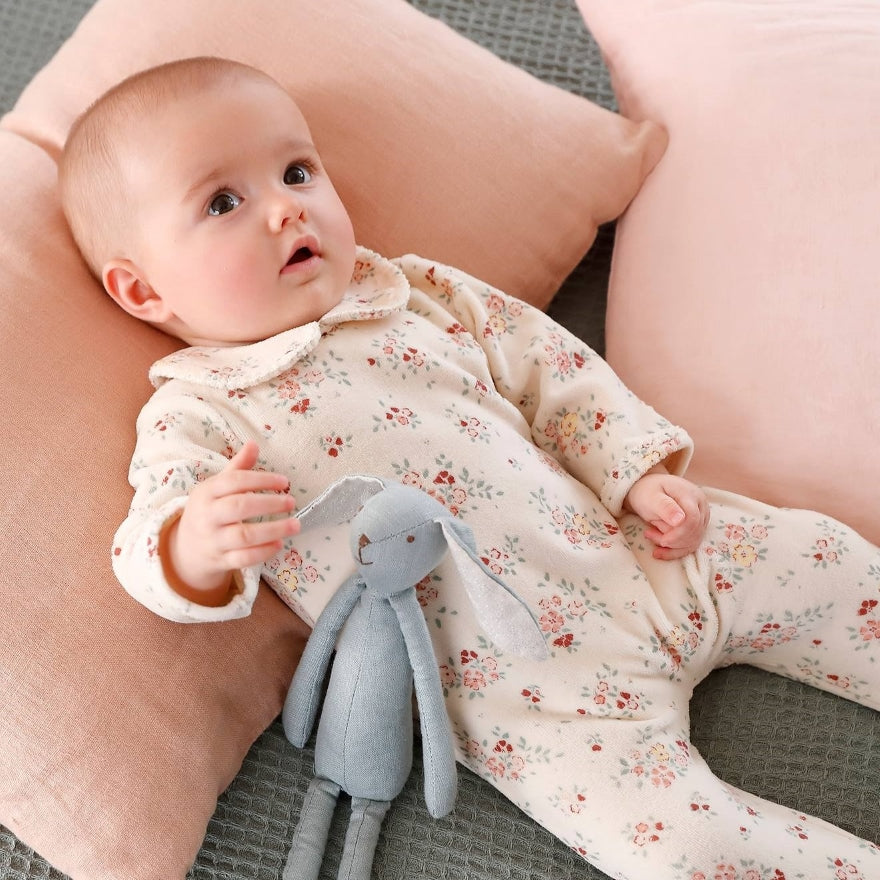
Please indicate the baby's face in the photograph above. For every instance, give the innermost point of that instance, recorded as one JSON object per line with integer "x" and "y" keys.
{"x": 238, "y": 229}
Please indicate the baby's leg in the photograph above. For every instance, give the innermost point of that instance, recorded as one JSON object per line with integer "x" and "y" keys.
{"x": 636, "y": 800}
{"x": 798, "y": 593}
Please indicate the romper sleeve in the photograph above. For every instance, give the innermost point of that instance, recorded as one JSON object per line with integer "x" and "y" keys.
{"x": 181, "y": 440}
{"x": 576, "y": 407}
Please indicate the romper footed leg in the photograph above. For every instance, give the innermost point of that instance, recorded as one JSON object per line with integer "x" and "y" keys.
{"x": 798, "y": 593}
{"x": 638, "y": 801}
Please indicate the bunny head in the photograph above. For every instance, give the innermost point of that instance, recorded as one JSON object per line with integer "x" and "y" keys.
{"x": 399, "y": 534}
{"x": 396, "y": 538}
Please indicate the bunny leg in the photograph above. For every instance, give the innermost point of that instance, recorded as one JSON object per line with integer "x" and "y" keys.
{"x": 361, "y": 838}
{"x": 310, "y": 837}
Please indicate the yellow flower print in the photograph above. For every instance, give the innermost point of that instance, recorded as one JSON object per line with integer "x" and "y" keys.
{"x": 744, "y": 554}
{"x": 569, "y": 424}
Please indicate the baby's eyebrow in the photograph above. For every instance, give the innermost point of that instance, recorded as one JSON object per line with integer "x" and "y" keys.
{"x": 203, "y": 182}
{"x": 295, "y": 147}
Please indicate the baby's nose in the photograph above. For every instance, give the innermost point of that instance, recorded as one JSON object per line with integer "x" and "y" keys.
{"x": 286, "y": 206}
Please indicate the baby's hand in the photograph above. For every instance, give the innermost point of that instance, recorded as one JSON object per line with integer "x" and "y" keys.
{"x": 675, "y": 509}
{"x": 216, "y": 533}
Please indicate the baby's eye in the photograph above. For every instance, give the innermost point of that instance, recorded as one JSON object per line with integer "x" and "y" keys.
{"x": 223, "y": 203}
{"x": 296, "y": 174}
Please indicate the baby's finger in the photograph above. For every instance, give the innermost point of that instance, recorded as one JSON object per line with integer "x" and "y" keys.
{"x": 231, "y": 509}
{"x": 245, "y": 458}
{"x": 669, "y": 553}
{"x": 248, "y": 556}
{"x": 244, "y": 536}
{"x": 235, "y": 481}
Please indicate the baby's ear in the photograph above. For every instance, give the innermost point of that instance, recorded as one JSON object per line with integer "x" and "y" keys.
{"x": 125, "y": 283}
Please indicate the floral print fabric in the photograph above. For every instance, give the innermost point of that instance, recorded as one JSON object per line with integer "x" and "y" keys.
{"x": 428, "y": 376}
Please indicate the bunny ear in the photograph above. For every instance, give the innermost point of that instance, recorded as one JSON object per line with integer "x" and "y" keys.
{"x": 340, "y": 501}
{"x": 502, "y": 614}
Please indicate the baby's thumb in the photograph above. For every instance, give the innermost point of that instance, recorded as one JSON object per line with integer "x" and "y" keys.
{"x": 671, "y": 512}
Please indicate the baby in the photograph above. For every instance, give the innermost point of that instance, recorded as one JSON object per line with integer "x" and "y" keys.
{"x": 197, "y": 196}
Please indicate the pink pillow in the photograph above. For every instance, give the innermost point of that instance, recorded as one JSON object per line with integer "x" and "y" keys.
{"x": 435, "y": 145}
{"x": 118, "y": 729}
{"x": 744, "y": 299}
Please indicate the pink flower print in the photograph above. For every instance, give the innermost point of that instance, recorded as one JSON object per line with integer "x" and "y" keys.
{"x": 496, "y": 326}
{"x": 551, "y": 620}
{"x": 759, "y": 532}
{"x": 576, "y": 608}
{"x": 870, "y": 631}
{"x": 293, "y": 558}
{"x": 411, "y": 478}
{"x": 662, "y": 776}
{"x": 647, "y": 832}
{"x": 846, "y": 871}
{"x": 735, "y": 532}
{"x": 494, "y": 304}
{"x": 495, "y": 767}
{"x": 456, "y": 500}
{"x": 495, "y": 561}
{"x": 481, "y": 388}
{"x": 288, "y": 388}
{"x": 471, "y": 426}
{"x": 399, "y": 414}
{"x": 724, "y": 872}
{"x": 474, "y": 679}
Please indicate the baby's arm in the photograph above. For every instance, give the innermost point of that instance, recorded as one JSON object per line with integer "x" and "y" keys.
{"x": 675, "y": 509}
{"x": 573, "y": 404}
{"x": 216, "y": 534}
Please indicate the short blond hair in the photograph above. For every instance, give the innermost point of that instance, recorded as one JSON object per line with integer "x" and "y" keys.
{"x": 91, "y": 180}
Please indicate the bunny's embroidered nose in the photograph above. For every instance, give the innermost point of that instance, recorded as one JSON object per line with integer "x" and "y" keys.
{"x": 363, "y": 541}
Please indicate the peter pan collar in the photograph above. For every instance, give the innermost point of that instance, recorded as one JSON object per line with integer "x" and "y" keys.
{"x": 378, "y": 288}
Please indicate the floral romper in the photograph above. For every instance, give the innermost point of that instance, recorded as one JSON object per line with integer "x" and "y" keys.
{"x": 428, "y": 376}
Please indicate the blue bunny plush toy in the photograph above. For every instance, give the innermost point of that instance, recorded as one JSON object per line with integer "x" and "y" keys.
{"x": 364, "y": 745}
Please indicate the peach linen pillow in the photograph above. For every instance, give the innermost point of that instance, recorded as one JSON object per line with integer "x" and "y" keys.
{"x": 118, "y": 729}
{"x": 435, "y": 145}
{"x": 743, "y": 299}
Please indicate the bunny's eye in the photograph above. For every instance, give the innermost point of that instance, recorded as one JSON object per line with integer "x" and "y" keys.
{"x": 410, "y": 539}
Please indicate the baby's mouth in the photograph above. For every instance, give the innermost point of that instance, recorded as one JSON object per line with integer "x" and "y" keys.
{"x": 305, "y": 251}
{"x": 300, "y": 255}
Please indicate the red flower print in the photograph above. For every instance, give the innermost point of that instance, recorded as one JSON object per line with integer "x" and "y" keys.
{"x": 867, "y": 607}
